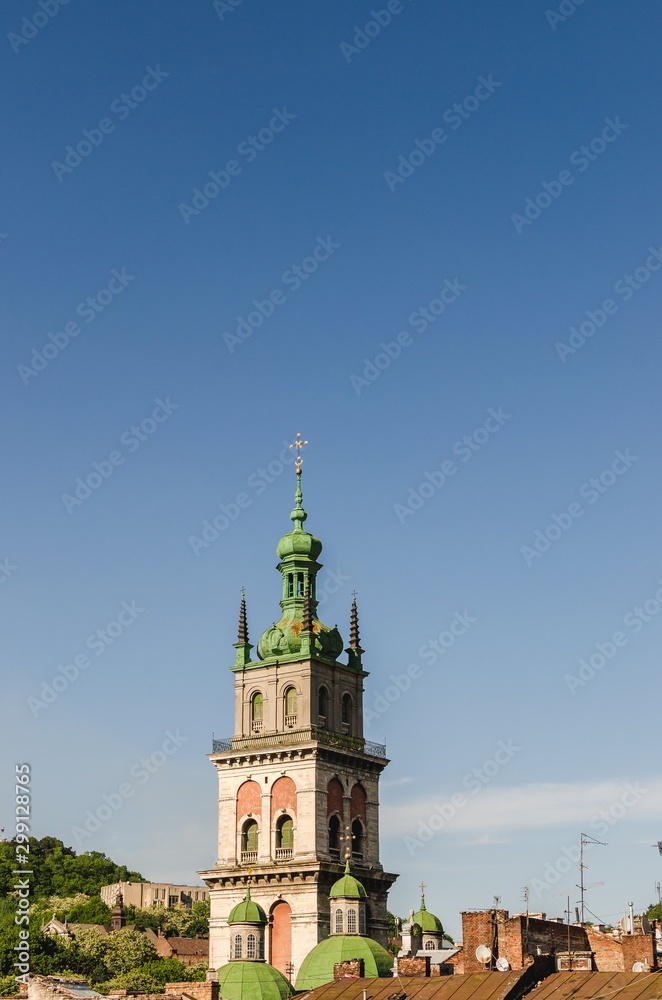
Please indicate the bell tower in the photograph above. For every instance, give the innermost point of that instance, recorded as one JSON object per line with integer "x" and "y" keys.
{"x": 298, "y": 782}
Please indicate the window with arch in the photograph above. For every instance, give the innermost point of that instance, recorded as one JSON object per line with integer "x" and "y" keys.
{"x": 290, "y": 701}
{"x": 362, "y": 927}
{"x": 249, "y": 837}
{"x": 237, "y": 946}
{"x": 346, "y": 713}
{"x": 257, "y": 711}
{"x": 338, "y": 924}
{"x": 284, "y": 834}
{"x": 357, "y": 838}
{"x": 322, "y": 706}
{"x": 351, "y": 920}
{"x": 334, "y": 835}
{"x": 430, "y": 945}
{"x": 251, "y": 946}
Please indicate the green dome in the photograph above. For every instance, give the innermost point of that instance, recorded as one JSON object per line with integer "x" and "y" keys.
{"x": 252, "y": 981}
{"x": 317, "y": 966}
{"x": 283, "y": 638}
{"x": 247, "y": 912}
{"x": 299, "y": 543}
{"x": 428, "y": 923}
{"x": 347, "y": 887}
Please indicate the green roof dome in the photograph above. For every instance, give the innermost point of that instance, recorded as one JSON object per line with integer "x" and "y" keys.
{"x": 247, "y": 912}
{"x": 317, "y": 966}
{"x": 428, "y": 923}
{"x": 298, "y": 542}
{"x": 347, "y": 887}
{"x": 252, "y": 981}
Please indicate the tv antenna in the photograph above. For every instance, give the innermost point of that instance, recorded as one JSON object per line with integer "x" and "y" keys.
{"x": 585, "y": 839}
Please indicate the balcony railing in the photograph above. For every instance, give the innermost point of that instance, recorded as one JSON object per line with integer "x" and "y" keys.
{"x": 294, "y": 737}
{"x": 256, "y": 725}
{"x": 290, "y": 721}
{"x": 248, "y": 856}
{"x": 284, "y": 853}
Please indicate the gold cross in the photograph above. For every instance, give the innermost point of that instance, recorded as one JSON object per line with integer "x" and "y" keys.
{"x": 298, "y": 444}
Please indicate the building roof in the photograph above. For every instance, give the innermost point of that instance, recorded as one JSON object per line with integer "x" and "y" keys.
{"x": 317, "y": 967}
{"x": 347, "y": 887}
{"x": 252, "y": 981}
{"x": 476, "y": 986}
{"x": 599, "y": 985}
{"x": 248, "y": 911}
{"x": 427, "y": 921}
{"x": 189, "y": 946}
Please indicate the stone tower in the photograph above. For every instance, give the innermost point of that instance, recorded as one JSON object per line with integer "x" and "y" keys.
{"x": 298, "y": 783}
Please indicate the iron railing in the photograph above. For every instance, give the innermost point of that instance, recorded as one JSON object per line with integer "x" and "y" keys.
{"x": 293, "y": 737}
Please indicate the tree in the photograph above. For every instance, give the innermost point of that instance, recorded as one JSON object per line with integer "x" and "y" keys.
{"x": 654, "y": 912}
{"x": 136, "y": 979}
{"x": 89, "y": 911}
{"x": 126, "y": 950}
{"x": 166, "y": 970}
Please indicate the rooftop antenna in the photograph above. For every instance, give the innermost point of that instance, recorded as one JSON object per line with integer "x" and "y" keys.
{"x": 525, "y": 897}
{"x": 584, "y": 839}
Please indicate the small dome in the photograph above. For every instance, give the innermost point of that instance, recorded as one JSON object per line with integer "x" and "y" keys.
{"x": 247, "y": 912}
{"x": 252, "y": 981}
{"x": 347, "y": 887}
{"x": 427, "y": 921}
{"x": 317, "y": 967}
{"x": 299, "y": 543}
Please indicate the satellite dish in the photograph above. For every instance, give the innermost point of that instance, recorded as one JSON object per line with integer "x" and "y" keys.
{"x": 639, "y": 967}
{"x": 502, "y": 964}
{"x": 483, "y": 953}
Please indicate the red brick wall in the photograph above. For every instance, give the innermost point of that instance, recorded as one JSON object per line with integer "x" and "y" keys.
{"x": 414, "y": 966}
{"x": 607, "y": 952}
{"x": 334, "y": 798}
{"x": 249, "y": 799}
{"x": 638, "y": 948}
{"x": 284, "y": 796}
{"x": 200, "y": 991}
{"x": 354, "y": 967}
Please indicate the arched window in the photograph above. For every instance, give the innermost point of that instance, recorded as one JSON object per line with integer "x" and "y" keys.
{"x": 322, "y": 706}
{"x": 284, "y": 834}
{"x": 351, "y": 920}
{"x": 257, "y": 711}
{"x": 237, "y": 946}
{"x": 290, "y": 706}
{"x": 357, "y": 838}
{"x": 334, "y": 835}
{"x": 346, "y": 714}
{"x": 339, "y": 927}
{"x": 251, "y": 946}
{"x": 430, "y": 945}
{"x": 362, "y": 927}
{"x": 249, "y": 838}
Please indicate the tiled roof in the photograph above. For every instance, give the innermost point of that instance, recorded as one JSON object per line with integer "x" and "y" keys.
{"x": 477, "y": 986}
{"x": 189, "y": 946}
{"x": 600, "y": 986}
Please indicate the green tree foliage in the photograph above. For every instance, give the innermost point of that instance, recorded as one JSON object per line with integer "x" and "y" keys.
{"x": 166, "y": 970}
{"x": 654, "y": 912}
{"x": 8, "y": 986}
{"x": 59, "y": 871}
{"x": 126, "y": 950}
{"x": 136, "y": 979}
{"x": 89, "y": 911}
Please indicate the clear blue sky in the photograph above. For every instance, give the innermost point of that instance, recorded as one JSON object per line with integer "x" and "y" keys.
{"x": 358, "y": 153}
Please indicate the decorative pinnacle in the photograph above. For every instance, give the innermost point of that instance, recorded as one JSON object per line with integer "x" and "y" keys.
{"x": 354, "y": 625}
{"x": 243, "y": 624}
{"x": 298, "y": 445}
{"x": 307, "y": 622}
{"x": 422, "y": 888}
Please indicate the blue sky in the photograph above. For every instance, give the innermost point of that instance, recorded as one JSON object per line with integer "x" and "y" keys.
{"x": 428, "y": 207}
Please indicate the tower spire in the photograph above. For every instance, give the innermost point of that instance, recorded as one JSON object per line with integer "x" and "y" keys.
{"x": 354, "y": 651}
{"x": 243, "y": 624}
{"x": 298, "y": 515}
{"x": 242, "y": 645}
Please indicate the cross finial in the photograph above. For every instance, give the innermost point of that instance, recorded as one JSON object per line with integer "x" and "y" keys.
{"x": 298, "y": 445}
{"x": 422, "y": 887}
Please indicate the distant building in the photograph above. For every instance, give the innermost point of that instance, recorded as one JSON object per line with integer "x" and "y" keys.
{"x": 145, "y": 894}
